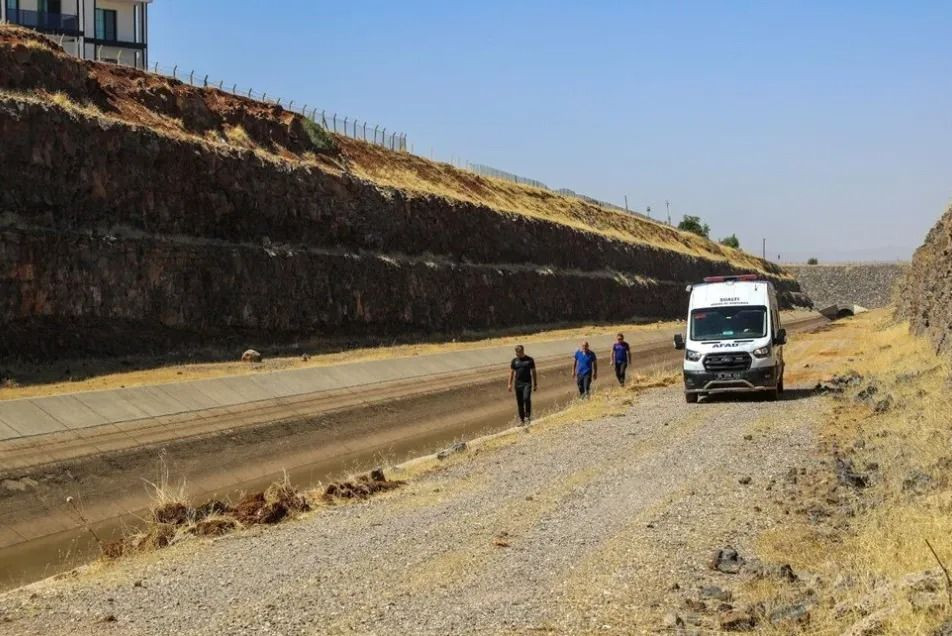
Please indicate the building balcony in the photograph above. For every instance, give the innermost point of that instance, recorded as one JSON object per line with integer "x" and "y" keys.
{"x": 58, "y": 23}
{"x": 119, "y": 44}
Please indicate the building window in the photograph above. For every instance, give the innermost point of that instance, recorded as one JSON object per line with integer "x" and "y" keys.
{"x": 50, "y": 6}
{"x": 13, "y": 5}
{"x": 106, "y": 25}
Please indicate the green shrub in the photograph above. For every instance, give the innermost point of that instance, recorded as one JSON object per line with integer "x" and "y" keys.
{"x": 693, "y": 224}
{"x": 812, "y": 261}
{"x": 320, "y": 139}
{"x": 731, "y": 241}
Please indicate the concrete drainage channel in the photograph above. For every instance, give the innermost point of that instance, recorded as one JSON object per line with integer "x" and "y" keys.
{"x": 313, "y": 449}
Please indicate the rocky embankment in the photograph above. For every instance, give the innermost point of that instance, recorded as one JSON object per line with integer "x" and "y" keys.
{"x": 926, "y": 297}
{"x": 131, "y": 220}
{"x": 870, "y": 285}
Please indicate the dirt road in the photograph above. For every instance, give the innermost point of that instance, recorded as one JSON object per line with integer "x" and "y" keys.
{"x": 573, "y": 527}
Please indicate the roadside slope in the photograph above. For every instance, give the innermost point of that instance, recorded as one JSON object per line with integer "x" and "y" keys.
{"x": 926, "y": 293}
{"x": 192, "y": 216}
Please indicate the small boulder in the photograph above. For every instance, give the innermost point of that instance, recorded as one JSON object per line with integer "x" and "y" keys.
{"x": 251, "y": 356}
{"x": 847, "y": 475}
{"x": 796, "y": 613}
{"x": 735, "y": 621}
{"x": 787, "y": 573}
{"x": 717, "y": 593}
{"x": 727, "y": 560}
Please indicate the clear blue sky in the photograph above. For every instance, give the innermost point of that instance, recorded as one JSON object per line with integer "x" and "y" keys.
{"x": 825, "y": 127}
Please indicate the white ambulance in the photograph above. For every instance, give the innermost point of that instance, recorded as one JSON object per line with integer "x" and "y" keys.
{"x": 734, "y": 340}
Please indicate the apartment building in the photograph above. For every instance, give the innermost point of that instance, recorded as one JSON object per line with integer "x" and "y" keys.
{"x": 108, "y": 30}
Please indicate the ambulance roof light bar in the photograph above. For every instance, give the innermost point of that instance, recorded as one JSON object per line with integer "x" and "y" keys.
{"x": 724, "y": 279}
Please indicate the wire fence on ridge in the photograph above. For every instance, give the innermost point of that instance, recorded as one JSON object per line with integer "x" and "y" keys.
{"x": 330, "y": 121}
{"x": 356, "y": 129}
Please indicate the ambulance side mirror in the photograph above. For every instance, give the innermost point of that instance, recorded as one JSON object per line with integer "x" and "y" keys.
{"x": 781, "y": 337}
{"x": 678, "y": 341}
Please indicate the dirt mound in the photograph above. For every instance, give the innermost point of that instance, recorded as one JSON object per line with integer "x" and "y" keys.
{"x": 363, "y": 487}
{"x": 31, "y": 62}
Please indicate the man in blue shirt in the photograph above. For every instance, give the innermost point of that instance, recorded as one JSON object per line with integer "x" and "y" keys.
{"x": 585, "y": 369}
{"x": 621, "y": 356}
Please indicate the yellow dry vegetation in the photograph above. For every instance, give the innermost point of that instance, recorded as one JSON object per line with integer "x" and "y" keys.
{"x": 411, "y": 173}
{"x": 874, "y": 570}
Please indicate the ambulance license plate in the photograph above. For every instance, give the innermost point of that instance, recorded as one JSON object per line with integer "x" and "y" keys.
{"x": 728, "y": 376}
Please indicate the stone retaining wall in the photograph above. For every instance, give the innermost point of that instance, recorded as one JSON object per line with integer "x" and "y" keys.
{"x": 869, "y": 285}
{"x": 926, "y": 293}
{"x": 115, "y": 238}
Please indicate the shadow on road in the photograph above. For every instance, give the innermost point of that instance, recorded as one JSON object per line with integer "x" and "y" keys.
{"x": 788, "y": 395}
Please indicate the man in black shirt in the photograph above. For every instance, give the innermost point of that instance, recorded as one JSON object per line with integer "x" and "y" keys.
{"x": 522, "y": 374}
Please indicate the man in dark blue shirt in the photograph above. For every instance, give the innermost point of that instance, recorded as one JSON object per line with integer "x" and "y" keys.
{"x": 621, "y": 356}
{"x": 522, "y": 374}
{"x": 585, "y": 369}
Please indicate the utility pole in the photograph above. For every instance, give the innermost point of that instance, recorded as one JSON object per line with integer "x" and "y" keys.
{"x": 667, "y": 204}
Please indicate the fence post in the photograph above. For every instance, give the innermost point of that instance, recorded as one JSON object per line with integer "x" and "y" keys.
{"x": 264, "y": 96}
{"x": 174, "y": 69}
{"x": 191, "y": 77}
{"x": 249, "y": 93}
{"x": 221, "y": 85}
{"x": 279, "y": 101}
{"x": 234, "y": 88}
{"x": 355, "y": 130}
{"x": 290, "y": 104}
{"x": 345, "y": 125}
{"x": 334, "y": 122}
{"x": 205, "y": 81}
{"x": 324, "y": 119}
{"x": 156, "y": 71}
{"x": 365, "y": 131}
{"x": 383, "y": 137}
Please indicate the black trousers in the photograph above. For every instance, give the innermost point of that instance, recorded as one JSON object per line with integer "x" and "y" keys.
{"x": 523, "y": 392}
{"x": 621, "y": 368}
{"x": 584, "y": 383}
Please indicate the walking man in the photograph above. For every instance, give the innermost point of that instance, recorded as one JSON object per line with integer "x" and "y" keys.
{"x": 522, "y": 374}
{"x": 621, "y": 356}
{"x": 585, "y": 369}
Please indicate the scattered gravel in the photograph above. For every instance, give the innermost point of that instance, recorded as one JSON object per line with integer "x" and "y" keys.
{"x": 575, "y": 528}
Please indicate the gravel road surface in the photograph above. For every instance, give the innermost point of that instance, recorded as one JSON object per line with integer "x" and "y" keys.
{"x": 572, "y": 528}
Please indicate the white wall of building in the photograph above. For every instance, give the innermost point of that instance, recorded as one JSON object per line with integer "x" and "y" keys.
{"x": 131, "y": 27}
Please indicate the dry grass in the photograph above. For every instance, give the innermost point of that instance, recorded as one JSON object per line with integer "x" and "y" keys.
{"x": 238, "y": 136}
{"x": 872, "y": 566}
{"x": 415, "y": 174}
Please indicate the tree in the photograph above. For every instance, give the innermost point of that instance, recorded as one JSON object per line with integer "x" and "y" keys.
{"x": 812, "y": 261}
{"x": 693, "y": 224}
{"x": 731, "y": 241}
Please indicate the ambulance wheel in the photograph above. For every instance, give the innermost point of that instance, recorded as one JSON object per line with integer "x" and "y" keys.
{"x": 690, "y": 398}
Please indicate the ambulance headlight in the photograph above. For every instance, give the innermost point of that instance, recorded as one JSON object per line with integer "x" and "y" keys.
{"x": 763, "y": 352}
{"x": 693, "y": 356}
